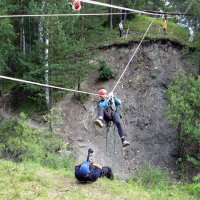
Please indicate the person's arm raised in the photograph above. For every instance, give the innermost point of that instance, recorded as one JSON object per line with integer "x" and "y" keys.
{"x": 96, "y": 165}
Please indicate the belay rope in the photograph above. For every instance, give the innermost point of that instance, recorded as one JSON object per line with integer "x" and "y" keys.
{"x": 110, "y": 132}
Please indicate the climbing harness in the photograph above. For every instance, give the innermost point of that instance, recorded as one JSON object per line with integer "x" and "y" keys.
{"x": 110, "y": 131}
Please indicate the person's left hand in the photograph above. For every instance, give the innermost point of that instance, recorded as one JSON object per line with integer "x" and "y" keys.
{"x": 91, "y": 161}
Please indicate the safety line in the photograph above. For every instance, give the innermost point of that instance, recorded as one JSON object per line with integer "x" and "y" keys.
{"x": 45, "y": 85}
{"x": 61, "y": 15}
{"x": 189, "y": 7}
{"x": 166, "y": 13}
{"x": 133, "y": 55}
{"x": 118, "y": 7}
{"x": 140, "y": 44}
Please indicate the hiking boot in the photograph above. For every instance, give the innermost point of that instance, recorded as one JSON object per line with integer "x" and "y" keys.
{"x": 99, "y": 123}
{"x": 125, "y": 143}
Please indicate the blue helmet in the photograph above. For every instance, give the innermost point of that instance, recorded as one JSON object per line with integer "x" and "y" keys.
{"x": 84, "y": 168}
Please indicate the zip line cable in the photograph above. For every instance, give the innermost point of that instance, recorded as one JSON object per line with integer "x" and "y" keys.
{"x": 79, "y": 14}
{"x": 118, "y": 7}
{"x": 190, "y": 5}
{"x": 61, "y": 15}
{"x": 133, "y": 55}
{"x": 167, "y": 13}
{"x": 98, "y": 14}
{"x": 45, "y": 85}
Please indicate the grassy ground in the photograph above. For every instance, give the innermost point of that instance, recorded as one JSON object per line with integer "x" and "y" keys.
{"x": 30, "y": 181}
{"x": 138, "y": 25}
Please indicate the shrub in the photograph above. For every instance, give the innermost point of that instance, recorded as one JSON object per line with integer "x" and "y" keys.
{"x": 19, "y": 143}
{"x": 183, "y": 112}
{"x": 82, "y": 97}
{"x": 106, "y": 72}
{"x": 195, "y": 187}
{"x": 152, "y": 177}
{"x": 54, "y": 161}
{"x": 102, "y": 64}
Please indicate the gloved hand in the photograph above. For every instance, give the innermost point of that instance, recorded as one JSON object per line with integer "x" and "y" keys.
{"x": 111, "y": 95}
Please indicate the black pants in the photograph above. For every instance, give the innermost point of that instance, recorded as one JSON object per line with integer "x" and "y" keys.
{"x": 107, "y": 172}
{"x": 112, "y": 116}
{"x": 121, "y": 32}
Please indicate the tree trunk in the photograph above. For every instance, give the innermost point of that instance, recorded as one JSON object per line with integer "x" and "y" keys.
{"x": 22, "y": 32}
{"x": 199, "y": 68}
{"x": 110, "y": 16}
{"x": 125, "y": 15}
{"x": 45, "y": 38}
{"x": 47, "y": 71}
{"x": 120, "y": 16}
{"x": 22, "y": 36}
{"x": 198, "y": 23}
{"x": 1, "y": 88}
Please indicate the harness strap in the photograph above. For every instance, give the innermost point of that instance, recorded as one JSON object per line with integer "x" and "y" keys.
{"x": 111, "y": 102}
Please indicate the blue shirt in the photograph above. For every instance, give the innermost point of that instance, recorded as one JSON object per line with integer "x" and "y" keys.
{"x": 94, "y": 174}
{"x": 104, "y": 103}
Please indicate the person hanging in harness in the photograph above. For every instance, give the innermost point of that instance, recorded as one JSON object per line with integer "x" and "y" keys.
{"x": 108, "y": 108}
{"x": 88, "y": 171}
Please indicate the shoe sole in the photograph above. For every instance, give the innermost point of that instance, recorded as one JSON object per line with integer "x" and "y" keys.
{"x": 125, "y": 145}
{"x": 98, "y": 124}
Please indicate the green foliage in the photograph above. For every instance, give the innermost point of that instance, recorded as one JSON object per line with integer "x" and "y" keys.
{"x": 53, "y": 161}
{"x": 184, "y": 98}
{"x": 194, "y": 160}
{"x": 184, "y": 107}
{"x": 183, "y": 111}
{"x": 31, "y": 105}
{"x": 106, "y": 72}
{"x": 102, "y": 64}
{"x": 82, "y": 97}
{"x": 152, "y": 177}
{"x": 19, "y": 142}
{"x": 7, "y": 86}
{"x": 195, "y": 187}
{"x": 55, "y": 118}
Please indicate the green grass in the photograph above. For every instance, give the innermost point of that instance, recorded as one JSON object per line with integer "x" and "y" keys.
{"x": 31, "y": 181}
{"x": 138, "y": 26}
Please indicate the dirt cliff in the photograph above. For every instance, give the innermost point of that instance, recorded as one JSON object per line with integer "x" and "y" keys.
{"x": 142, "y": 90}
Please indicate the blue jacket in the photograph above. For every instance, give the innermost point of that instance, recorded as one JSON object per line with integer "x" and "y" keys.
{"x": 94, "y": 174}
{"x": 104, "y": 103}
